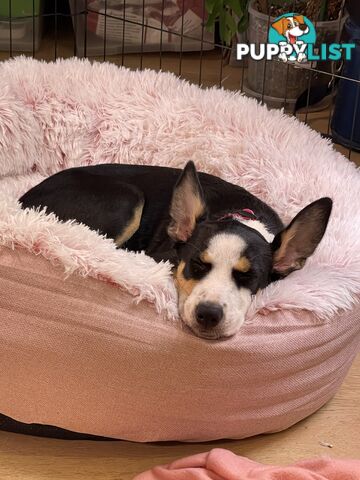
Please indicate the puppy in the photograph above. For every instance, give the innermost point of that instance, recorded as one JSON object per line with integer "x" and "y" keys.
{"x": 225, "y": 243}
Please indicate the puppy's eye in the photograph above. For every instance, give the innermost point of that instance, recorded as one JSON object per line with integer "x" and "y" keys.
{"x": 289, "y": 25}
{"x": 199, "y": 268}
{"x": 241, "y": 278}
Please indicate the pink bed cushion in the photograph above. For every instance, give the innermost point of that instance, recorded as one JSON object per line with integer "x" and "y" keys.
{"x": 79, "y": 354}
{"x": 90, "y": 339}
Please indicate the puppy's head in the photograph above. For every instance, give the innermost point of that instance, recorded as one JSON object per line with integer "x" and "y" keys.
{"x": 291, "y": 27}
{"x": 222, "y": 263}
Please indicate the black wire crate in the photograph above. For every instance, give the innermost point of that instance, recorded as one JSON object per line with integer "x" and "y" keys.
{"x": 115, "y": 27}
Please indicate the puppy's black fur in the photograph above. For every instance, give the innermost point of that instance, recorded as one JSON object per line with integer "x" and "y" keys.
{"x": 103, "y": 197}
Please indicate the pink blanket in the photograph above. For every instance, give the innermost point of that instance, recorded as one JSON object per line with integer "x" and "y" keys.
{"x": 219, "y": 464}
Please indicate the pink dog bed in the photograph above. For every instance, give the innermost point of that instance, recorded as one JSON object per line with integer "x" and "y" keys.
{"x": 89, "y": 335}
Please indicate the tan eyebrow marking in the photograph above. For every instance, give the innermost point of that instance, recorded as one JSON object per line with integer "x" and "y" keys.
{"x": 184, "y": 285}
{"x": 205, "y": 257}
{"x": 242, "y": 265}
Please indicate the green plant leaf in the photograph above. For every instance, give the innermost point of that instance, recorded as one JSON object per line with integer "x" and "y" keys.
{"x": 230, "y": 23}
{"x": 222, "y": 27}
{"x": 209, "y": 5}
{"x": 210, "y": 23}
{"x": 221, "y": 10}
{"x": 227, "y": 26}
{"x": 236, "y": 7}
{"x": 243, "y": 23}
{"x": 214, "y": 15}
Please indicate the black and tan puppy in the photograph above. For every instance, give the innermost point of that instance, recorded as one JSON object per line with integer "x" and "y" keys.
{"x": 225, "y": 243}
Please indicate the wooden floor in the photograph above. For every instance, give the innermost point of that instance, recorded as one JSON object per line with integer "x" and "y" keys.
{"x": 337, "y": 424}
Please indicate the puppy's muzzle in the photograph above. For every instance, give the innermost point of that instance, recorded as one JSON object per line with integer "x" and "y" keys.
{"x": 303, "y": 27}
{"x": 208, "y": 315}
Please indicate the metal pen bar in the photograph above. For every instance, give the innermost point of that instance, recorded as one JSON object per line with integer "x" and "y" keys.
{"x": 142, "y": 35}
{"x": 181, "y": 37}
{"x": 221, "y": 65}
{"x": 123, "y": 34}
{"x": 10, "y": 32}
{"x": 356, "y": 110}
{"x": 202, "y": 42}
{"x": 105, "y": 31}
{"x": 265, "y": 64}
{"x": 161, "y": 32}
{"x": 56, "y": 31}
{"x": 45, "y": 15}
{"x": 310, "y": 84}
{"x": 287, "y": 70}
{"x": 342, "y": 12}
{"x": 33, "y": 29}
{"x": 308, "y": 96}
{"x": 74, "y": 21}
{"x": 86, "y": 28}
{"x": 314, "y": 70}
{"x": 242, "y": 76}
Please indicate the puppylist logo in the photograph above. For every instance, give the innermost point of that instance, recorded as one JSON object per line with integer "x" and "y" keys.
{"x": 292, "y": 38}
{"x": 293, "y": 34}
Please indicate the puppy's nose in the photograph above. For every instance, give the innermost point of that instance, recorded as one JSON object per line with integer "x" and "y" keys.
{"x": 303, "y": 27}
{"x": 208, "y": 315}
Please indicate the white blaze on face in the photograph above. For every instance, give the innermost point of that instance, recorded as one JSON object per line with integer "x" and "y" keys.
{"x": 218, "y": 286}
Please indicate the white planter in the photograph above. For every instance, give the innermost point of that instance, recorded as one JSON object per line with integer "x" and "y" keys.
{"x": 277, "y": 82}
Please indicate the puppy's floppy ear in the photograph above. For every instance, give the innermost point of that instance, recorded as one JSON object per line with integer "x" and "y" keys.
{"x": 187, "y": 204}
{"x": 298, "y": 241}
{"x": 280, "y": 26}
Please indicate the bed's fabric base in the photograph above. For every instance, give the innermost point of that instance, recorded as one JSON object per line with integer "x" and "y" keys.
{"x": 80, "y": 355}
{"x": 8, "y": 424}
